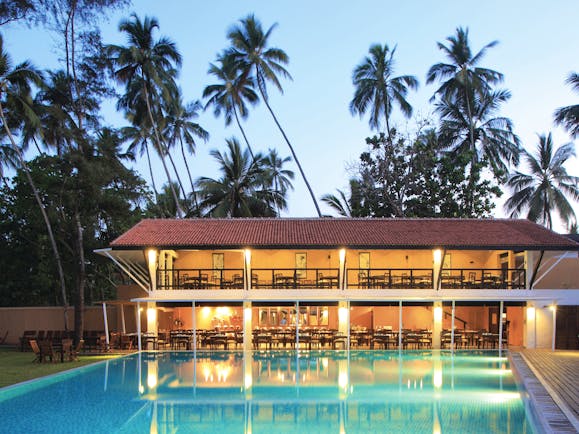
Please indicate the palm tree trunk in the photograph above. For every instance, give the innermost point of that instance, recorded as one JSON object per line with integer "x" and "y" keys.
{"x": 470, "y": 202}
{"x": 194, "y": 194}
{"x": 161, "y": 153}
{"x": 81, "y": 283}
{"x": 151, "y": 173}
{"x": 243, "y": 133}
{"x": 44, "y": 216}
{"x": 292, "y": 151}
{"x": 177, "y": 175}
{"x": 387, "y": 116}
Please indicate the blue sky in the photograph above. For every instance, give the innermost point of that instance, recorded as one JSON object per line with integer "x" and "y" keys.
{"x": 325, "y": 40}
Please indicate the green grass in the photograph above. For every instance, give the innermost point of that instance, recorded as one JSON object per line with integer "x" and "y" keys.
{"x": 16, "y": 366}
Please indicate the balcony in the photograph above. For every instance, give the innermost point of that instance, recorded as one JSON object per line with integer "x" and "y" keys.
{"x": 288, "y": 278}
{"x": 483, "y": 278}
{"x": 329, "y": 278}
{"x": 389, "y": 278}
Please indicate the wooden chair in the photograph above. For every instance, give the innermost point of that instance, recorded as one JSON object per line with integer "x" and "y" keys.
{"x": 3, "y": 339}
{"x": 46, "y": 351}
{"x": 66, "y": 350}
{"x": 35, "y": 350}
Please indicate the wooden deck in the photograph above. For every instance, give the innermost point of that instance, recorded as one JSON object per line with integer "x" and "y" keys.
{"x": 552, "y": 381}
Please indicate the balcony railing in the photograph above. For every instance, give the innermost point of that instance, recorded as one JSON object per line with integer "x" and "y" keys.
{"x": 389, "y": 278}
{"x": 199, "y": 278}
{"x": 483, "y": 278}
{"x": 329, "y": 278}
{"x": 271, "y": 278}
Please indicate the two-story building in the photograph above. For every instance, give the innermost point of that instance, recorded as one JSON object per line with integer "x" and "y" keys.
{"x": 392, "y": 283}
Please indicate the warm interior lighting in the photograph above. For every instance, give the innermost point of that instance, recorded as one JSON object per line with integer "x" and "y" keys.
{"x": 343, "y": 380}
{"x": 151, "y": 314}
{"x": 531, "y": 312}
{"x": 247, "y": 313}
{"x": 553, "y": 307}
{"x": 342, "y": 314}
{"x": 152, "y": 257}
{"x": 248, "y": 381}
{"x": 342, "y": 255}
{"x": 205, "y": 311}
{"x": 437, "y": 254}
{"x": 438, "y": 314}
{"x": 247, "y": 254}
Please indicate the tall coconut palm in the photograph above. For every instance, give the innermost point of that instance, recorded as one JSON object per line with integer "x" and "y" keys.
{"x": 347, "y": 206}
{"x": 232, "y": 94}
{"x": 547, "y": 187}
{"x": 377, "y": 90}
{"x": 239, "y": 192}
{"x": 569, "y": 116}
{"x": 250, "y": 47}
{"x": 181, "y": 129}
{"x": 483, "y": 135}
{"x": 462, "y": 79}
{"x": 16, "y": 105}
{"x": 275, "y": 176}
{"x": 150, "y": 64}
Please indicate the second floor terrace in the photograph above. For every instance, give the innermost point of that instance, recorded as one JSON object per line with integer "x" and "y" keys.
{"x": 338, "y": 254}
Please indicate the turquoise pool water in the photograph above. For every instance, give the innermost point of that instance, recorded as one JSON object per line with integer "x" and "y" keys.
{"x": 274, "y": 392}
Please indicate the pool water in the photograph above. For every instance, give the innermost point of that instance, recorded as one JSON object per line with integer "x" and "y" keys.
{"x": 274, "y": 392}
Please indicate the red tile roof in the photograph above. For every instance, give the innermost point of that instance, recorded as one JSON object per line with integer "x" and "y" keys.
{"x": 340, "y": 232}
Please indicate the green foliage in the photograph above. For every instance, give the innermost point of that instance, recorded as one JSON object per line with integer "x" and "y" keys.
{"x": 416, "y": 178}
{"x": 65, "y": 183}
{"x": 547, "y": 188}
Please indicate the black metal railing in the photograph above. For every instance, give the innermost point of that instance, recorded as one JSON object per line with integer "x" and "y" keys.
{"x": 389, "y": 278}
{"x": 483, "y": 278}
{"x": 294, "y": 278}
{"x": 200, "y": 278}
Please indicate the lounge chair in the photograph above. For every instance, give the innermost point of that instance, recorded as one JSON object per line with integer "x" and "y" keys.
{"x": 46, "y": 351}
{"x": 36, "y": 350}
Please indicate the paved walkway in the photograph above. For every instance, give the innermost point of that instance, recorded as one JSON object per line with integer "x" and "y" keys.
{"x": 552, "y": 380}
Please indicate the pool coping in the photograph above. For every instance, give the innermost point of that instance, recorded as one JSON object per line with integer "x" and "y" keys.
{"x": 543, "y": 409}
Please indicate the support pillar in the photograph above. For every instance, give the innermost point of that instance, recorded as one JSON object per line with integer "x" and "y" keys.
{"x": 344, "y": 320}
{"x": 530, "y": 336}
{"x": 437, "y": 324}
{"x": 247, "y": 330}
{"x": 139, "y": 326}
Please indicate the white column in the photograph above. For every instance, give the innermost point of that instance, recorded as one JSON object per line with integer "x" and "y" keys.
{"x": 501, "y": 308}
{"x": 247, "y": 269}
{"x": 152, "y": 264}
{"x": 194, "y": 322}
{"x": 400, "y": 325}
{"x": 342, "y": 282}
{"x": 247, "y": 330}
{"x": 437, "y": 324}
{"x": 530, "y": 326}
{"x": 152, "y": 323}
{"x": 139, "y": 325}
{"x": 436, "y": 262}
{"x": 554, "y": 310}
{"x": 452, "y": 326}
{"x": 123, "y": 322}
{"x": 106, "y": 321}
{"x": 344, "y": 318}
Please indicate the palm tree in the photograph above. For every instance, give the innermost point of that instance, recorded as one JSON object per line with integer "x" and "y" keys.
{"x": 16, "y": 100}
{"x": 250, "y": 47}
{"x": 569, "y": 116}
{"x": 546, "y": 187}
{"x": 232, "y": 94}
{"x": 148, "y": 65}
{"x": 181, "y": 129}
{"x": 275, "y": 176}
{"x": 483, "y": 135}
{"x": 347, "y": 206}
{"x": 376, "y": 88}
{"x": 239, "y": 192}
{"x": 462, "y": 78}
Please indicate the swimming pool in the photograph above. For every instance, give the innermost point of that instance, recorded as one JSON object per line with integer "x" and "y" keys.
{"x": 275, "y": 392}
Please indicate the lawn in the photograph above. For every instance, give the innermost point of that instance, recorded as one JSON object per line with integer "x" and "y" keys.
{"x": 16, "y": 366}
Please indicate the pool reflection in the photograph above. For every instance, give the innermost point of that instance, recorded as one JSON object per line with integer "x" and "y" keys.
{"x": 289, "y": 391}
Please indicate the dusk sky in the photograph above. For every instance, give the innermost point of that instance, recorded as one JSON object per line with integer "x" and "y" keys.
{"x": 538, "y": 48}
